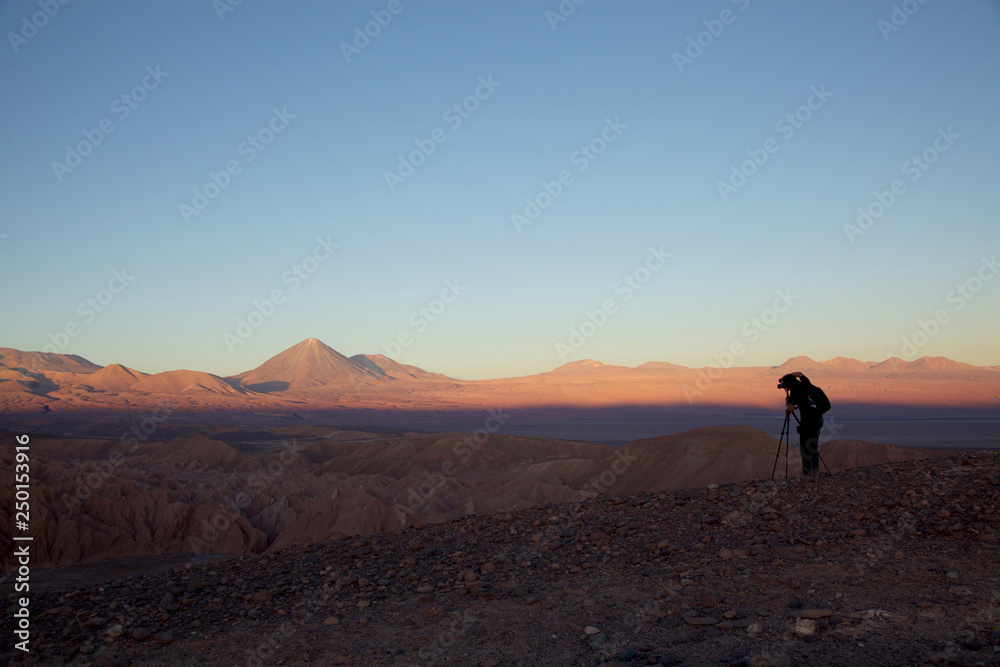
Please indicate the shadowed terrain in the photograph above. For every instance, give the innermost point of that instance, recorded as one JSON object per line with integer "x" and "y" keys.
{"x": 242, "y": 491}
{"x": 889, "y": 564}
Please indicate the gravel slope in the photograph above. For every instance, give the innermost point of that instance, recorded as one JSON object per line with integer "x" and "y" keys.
{"x": 896, "y": 564}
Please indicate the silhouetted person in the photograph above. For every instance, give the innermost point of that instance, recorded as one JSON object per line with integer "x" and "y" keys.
{"x": 803, "y": 395}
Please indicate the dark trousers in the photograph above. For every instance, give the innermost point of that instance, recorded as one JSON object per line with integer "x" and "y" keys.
{"x": 809, "y": 445}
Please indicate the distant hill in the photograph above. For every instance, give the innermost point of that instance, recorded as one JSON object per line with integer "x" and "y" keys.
{"x": 803, "y": 364}
{"x": 845, "y": 364}
{"x": 938, "y": 364}
{"x": 115, "y": 378}
{"x": 183, "y": 382}
{"x": 923, "y": 364}
{"x": 383, "y": 365}
{"x": 890, "y": 365}
{"x": 660, "y": 366}
{"x": 584, "y": 366}
{"x": 41, "y": 362}
{"x": 12, "y": 380}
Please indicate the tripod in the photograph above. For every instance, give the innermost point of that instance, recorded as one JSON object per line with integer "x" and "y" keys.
{"x": 786, "y": 434}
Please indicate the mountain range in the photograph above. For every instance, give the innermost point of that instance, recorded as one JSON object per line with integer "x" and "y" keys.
{"x": 312, "y": 382}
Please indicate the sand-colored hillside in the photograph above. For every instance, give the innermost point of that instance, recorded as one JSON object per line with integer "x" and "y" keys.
{"x": 115, "y": 378}
{"x": 383, "y": 365}
{"x": 183, "y": 382}
{"x": 42, "y": 362}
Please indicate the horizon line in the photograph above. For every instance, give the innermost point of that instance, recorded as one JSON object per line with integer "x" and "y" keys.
{"x": 804, "y": 358}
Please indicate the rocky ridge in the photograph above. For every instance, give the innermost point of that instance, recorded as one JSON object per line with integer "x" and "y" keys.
{"x": 891, "y": 564}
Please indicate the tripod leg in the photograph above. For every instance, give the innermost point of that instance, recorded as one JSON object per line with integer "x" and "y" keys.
{"x": 777, "y": 453}
{"x": 784, "y": 431}
{"x": 788, "y": 440}
{"x": 788, "y": 445}
{"x": 824, "y": 464}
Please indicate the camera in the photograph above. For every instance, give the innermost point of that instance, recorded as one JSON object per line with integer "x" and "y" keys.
{"x": 787, "y": 382}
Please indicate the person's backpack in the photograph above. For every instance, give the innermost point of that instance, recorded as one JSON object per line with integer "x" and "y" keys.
{"x": 818, "y": 397}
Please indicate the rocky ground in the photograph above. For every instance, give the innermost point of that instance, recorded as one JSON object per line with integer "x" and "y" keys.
{"x": 896, "y": 564}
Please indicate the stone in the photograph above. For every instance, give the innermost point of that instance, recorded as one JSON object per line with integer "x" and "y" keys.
{"x": 331, "y": 620}
{"x": 163, "y": 638}
{"x": 141, "y": 634}
{"x": 700, "y": 620}
{"x": 814, "y": 613}
{"x": 725, "y": 554}
{"x": 754, "y": 629}
{"x": 804, "y": 627}
{"x": 972, "y": 644}
{"x": 116, "y": 630}
{"x": 769, "y": 660}
{"x": 591, "y": 630}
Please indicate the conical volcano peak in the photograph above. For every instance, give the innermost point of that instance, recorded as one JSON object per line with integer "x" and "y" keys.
{"x": 311, "y": 363}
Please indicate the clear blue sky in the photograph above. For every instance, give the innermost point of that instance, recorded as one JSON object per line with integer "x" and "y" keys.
{"x": 671, "y": 134}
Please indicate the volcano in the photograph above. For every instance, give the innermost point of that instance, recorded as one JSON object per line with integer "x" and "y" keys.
{"x": 311, "y": 363}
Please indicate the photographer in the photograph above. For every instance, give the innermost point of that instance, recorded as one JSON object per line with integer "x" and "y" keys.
{"x": 802, "y": 394}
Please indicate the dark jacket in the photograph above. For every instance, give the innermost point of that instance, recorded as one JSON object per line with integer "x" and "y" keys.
{"x": 799, "y": 397}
